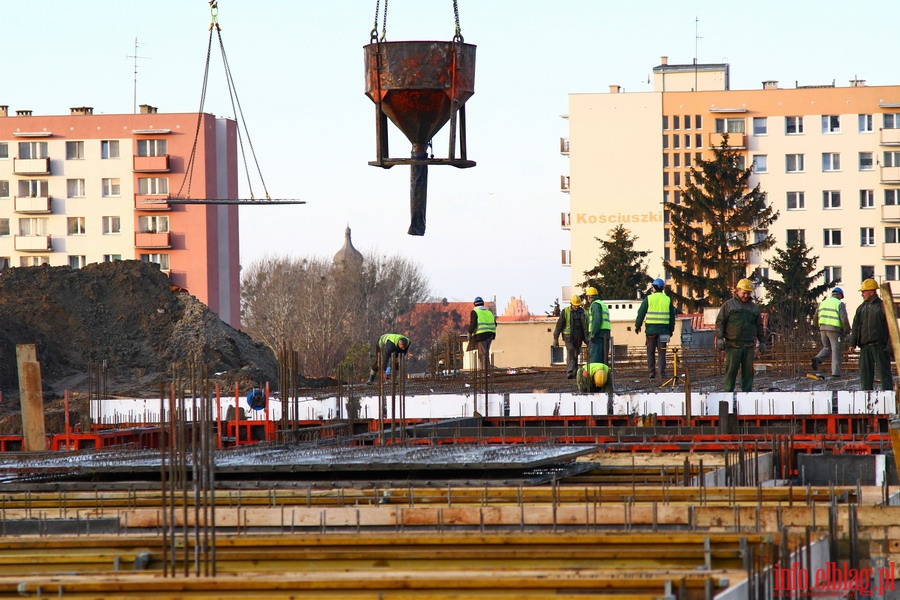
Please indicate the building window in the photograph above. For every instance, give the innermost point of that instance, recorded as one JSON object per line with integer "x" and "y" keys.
{"x": 4, "y": 263}
{"x": 687, "y": 140}
{"x": 698, "y": 121}
{"x": 687, "y": 159}
{"x": 831, "y": 161}
{"x": 112, "y": 225}
{"x": 796, "y": 236}
{"x": 865, "y": 124}
{"x": 892, "y": 158}
{"x": 676, "y": 160}
{"x": 730, "y": 125}
{"x": 892, "y": 272}
{"x": 866, "y": 272}
{"x": 151, "y": 148}
{"x": 77, "y": 262}
{"x": 4, "y": 189}
{"x": 665, "y": 122}
{"x": 33, "y": 226}
{"x": 833, "y": 274}
{"x": 676, "y": 178}
{"x": 676, "y": 141}
{"x": 4, "y": 150}
{"x": 665, "y": 142}
{"x": 677, "y": 196}
{"x": 33, "y": 261}
{"x": 793, "y": 125}
{"x": 866, "y": 161}
{"x": 665, "y": 160}
{"x": 676, "y": 122}
{"x": 109, "y": 149}
{"x": 34, "y": 188}
{"x": 33, "y": 150}
{"x": 892, "y": 197}
{"x": 75, "y": 188}
{"x": 831, "y": 199}
{"x": 866, "y": 236}
{"x": 796, "y": 200}
{"x": 111, "y": 187}
{"x": 793, "y": 163}
{"x": 891, "y": 235}
{"x": 832, "y": 238}
{"x": 4, "y": 227}
{"x": 163, "y": 260}
{"x": 74, "y": 150}
{"x": 75, "y": 226}
{"x": 867, "y": 198}
{"x": 698, "y": 141}
{"x": 760, "y": 125}
{"x": 665, "y": 178}
{"x": 831, "y": 124}
{"x": 891, "y": 120}
{"x": 154, "y": 224}
{"x": 111, "y": 257}
{"x": 687, "y": 121}
{"x": 760, "y": 163}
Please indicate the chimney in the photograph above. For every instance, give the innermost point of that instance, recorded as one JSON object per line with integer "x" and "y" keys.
{"x": 4, "y": 110}
{"x": 857, "y": 83}
{"x": 23, "y": 113}
{"x": 615, "y": 89}
{"x": 81, "y": 110}
{"x": 146, "y": 109}
{"x": 770, "y": 85}
{"x": 664, "y": 60}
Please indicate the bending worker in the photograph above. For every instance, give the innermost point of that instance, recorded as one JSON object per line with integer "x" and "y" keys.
{"x": 573, "y": 327}
{"x": 738, "y": 328}
{"x": 599, "y": 327}
{"x": 592, "y": 377}
{"x": 390, "y": 345}
{"x": 658, "y": 313}
{"x": 833, "y": 323}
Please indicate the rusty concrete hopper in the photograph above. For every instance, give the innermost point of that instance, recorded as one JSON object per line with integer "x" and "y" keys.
{"x": 420, "y": 86}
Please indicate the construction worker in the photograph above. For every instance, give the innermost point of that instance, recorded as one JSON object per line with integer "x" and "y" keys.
{"x": 739, "y": 327}
{"x": 658, "y": 313}
{"x": 870, "y": 335}
{"x": 572, "y": 325}
{"x": 599, "y": 328}
{"x": 592, "y": 377}
{"x": 833, "y": 323}
{"x": 482, "y": 331}
{"x": 390, "y": 345}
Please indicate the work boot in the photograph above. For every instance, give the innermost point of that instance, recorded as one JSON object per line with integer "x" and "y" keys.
{"x": 371, "y": 378}
{"x": 815, "y": 364}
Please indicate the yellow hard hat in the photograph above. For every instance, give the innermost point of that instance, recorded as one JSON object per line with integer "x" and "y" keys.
{"x": 868, "y": 284}
{"x": 591, "y": 291}
{"x": 576, "y": 301}
{"x": 745, "y": 284}
{"x": 600, "y": 378}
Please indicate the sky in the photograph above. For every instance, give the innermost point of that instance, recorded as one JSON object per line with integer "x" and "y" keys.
{"x": 297, "y": 66}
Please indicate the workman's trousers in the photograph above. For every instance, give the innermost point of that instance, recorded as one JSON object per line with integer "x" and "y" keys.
{"x": 831, "y": 346}
{"x": 739, "y": 358}
{"x": 870, "y": 357}
{"x": 484, "y": 354}
{"x": 573, "y": 356}
{"x": 656, "y": 347}
{"x": 598, "y": 349}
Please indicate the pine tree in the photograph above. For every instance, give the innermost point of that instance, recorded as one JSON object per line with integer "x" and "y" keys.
{"x": 793, "y": 297}
{"x": 711, "y": 226}
{"x": 620, "y": 272}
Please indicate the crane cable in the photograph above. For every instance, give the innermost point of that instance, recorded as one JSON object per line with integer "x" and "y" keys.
{"x": 235, "y": 107}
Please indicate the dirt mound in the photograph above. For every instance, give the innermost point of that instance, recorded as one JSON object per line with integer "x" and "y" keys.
{"x": 123, "y": 314}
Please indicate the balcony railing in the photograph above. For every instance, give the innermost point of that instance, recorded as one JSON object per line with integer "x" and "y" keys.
{"x": 890, "y": 212}
{"x": 564, "y": 145}
{"x": 564, "y": 183}
{"x": 735, "y": 140}
{"x": 890, "y": 174}
{"x": 565, "y": 220}
{"x": 149, "y": 239}
{"x": 151, "y": 202}
{"x": 32, "y": 243}
{"x": 151, "y": 164}
{"x": 31, "y": 166}
{"x": 891, "y": 251}
{"x": 890, "y": 137}
{"x": 32, "y": 204}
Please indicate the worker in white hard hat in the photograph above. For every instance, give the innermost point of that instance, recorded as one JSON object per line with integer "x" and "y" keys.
{"x": 739, "y": 328}
{"x": 833, "y": 323}
{"x": 657, "y": 313}
{"x": 870, "y": 335}
{"x": 572, "y": 325}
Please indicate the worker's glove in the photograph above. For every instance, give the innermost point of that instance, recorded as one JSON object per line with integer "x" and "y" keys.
{"x": 889, "y": 351}
{"x": 637, "y": 329}
{"x": 556, "y": 343}
{"x": 387, "y": 372}
{"x": 720, "y": 344}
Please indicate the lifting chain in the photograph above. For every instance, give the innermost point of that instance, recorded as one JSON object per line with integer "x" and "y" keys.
{"x": 457, "y": 34}
{"x": 374, "y": 37}
{"x": 214, "y": 14}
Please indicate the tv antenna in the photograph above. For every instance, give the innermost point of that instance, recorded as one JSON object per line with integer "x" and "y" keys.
{"x": 135, "y": 57}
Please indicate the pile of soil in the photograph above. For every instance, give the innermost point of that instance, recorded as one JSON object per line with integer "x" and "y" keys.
{"x": 121, "y": 319}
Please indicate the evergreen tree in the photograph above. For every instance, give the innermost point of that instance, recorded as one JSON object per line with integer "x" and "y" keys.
{"x": 620, "y": 272}
{"x": 711, "y": 227}
{"x": 794, "y": 297}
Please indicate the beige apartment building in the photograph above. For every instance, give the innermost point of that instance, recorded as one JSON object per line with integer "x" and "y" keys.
{"x": 85, "y": 188}
{"x": 827, "y": 156}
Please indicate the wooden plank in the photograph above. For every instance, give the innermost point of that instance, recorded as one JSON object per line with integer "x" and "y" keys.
{"x": 31, "y": 399}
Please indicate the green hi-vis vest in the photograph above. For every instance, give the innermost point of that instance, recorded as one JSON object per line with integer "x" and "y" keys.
{"x": 657, "y": 309}
{"x": 829, "y": 312}
{"x": 391, "y": 337}
{"x": 604, "y": 317}
{"x": 486, "y": 321}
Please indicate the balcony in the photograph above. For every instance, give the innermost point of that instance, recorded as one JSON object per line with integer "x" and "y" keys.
{"x": 566, "y": 258}
{"x": 735, "y": 140}
{"x": 890, "y": 212}
{"x": 151, "y": 202}
{"x": 149, "y": 239}
{"x": 31, "y": 166}
{"x": 564, "y": 145}
{"x": 32, "y": 243}
{"x": 32, "y": 204}
{"x": 890, "y": 137}
{"x": 565, "y": 220}
{"x": 890, "y": 174}
{"x": 151, "y": 164}
{"x": 891, "y": 251}
{"x": 564, "y": 183}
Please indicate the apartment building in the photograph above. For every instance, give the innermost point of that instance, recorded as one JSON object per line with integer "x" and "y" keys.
{"x": 84, "y": 188}
{"x": 828, "y": 158}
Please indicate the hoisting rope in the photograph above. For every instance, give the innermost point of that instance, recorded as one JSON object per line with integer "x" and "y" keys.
{"x": 235, "y": 107}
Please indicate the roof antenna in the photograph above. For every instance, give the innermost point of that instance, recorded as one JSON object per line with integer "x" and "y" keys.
{"x": 135, "y": 57}
{"x": 696, "y": 49}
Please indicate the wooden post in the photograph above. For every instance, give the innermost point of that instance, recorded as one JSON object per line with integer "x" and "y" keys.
{"x": 887, "y": 300}
{"x": 31, "y": 399}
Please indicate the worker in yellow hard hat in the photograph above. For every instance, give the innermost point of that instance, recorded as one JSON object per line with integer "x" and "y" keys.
{"x": 870, "y": 335}
{"x": 572, "y": 325}
{"x": 739, "y": 328}
{"x": 598, "y": 327}
{"x": 593, "y": 377}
